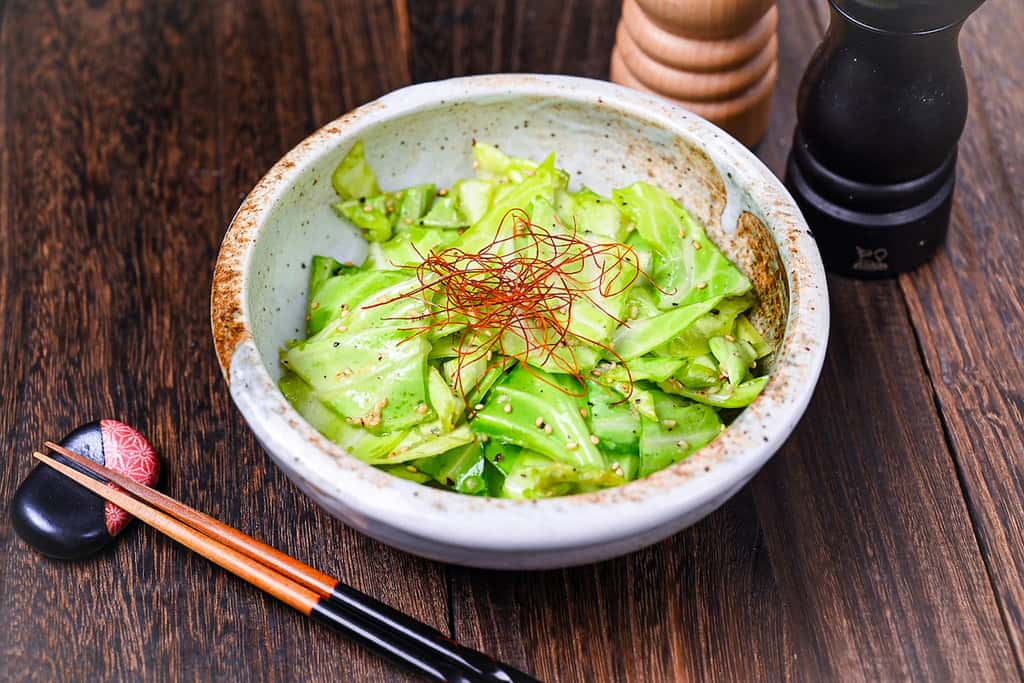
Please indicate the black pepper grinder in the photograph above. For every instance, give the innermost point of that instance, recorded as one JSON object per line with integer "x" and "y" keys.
{"x": 880, "y": 112}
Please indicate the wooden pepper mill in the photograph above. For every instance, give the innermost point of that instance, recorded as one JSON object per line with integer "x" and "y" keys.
{"x": 880, "y": 112}
{"x": 717, "y": 58}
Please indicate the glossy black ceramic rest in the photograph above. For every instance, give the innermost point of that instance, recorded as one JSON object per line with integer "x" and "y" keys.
{"x": 880, "y": 112}
{"x": 63, "y": 520}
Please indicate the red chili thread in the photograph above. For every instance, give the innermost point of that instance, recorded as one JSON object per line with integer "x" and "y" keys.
{"x": 519, "y": 290}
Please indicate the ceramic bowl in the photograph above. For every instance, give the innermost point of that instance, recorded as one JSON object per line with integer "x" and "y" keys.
{"x": 606, "y": 136}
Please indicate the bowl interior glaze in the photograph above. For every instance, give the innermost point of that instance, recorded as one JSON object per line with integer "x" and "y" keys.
{"x": 599, "y": 147}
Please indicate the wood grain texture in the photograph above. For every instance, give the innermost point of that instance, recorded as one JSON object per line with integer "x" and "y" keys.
{"x": 135, "y": 129}
{"x": 463, "y": 37}
{"x": 968, "y": 304}
{"x": 130, "y": 131}
{"x": 870, "y": 541}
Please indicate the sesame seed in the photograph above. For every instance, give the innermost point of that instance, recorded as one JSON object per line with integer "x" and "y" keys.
{"x": 508, "y": 408}
{"x": 683, "y": 444}
{"x": 539, "y": 422}
{"x": 594, "y": 440}
{"x": 730, "y": 338}
{"x": 583, "y": 412}
{"x": 695, "y": 244}
{"x": 407, "y": 220}
{"x": 595, "y": 372}
{"x": 422, "y": 408}
{"x": 476, "y": 164}
{"x": 548, "y": 429}
{"x": 478, "y": 406}
{"x": 702, "y": 285}
{"x": 342, "y": 328}
{"x": 668, "y": 424}
{"x": 315, "y": 305}
{"x": 367, "y": 208}
{"x": 308, "y": 318}
{"x": 571, "y": 445}
{"x": 443, "y": 192}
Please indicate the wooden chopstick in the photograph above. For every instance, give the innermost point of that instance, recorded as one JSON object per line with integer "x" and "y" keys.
{"x": 372, "y": 611}
{"x": 233, "y": 538}
{"x": 268, "y": 580}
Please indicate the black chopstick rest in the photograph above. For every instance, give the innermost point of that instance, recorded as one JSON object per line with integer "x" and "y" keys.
{"x": 61, "y": 519}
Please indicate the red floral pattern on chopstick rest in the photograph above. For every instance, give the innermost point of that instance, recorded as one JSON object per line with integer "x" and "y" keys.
{"x": 127, "y": 452}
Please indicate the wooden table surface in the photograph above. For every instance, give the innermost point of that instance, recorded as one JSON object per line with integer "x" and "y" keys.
{"x": 883, "y": 542}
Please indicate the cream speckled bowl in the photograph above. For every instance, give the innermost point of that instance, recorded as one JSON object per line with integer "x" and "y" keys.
{"x": 606, "y": 136}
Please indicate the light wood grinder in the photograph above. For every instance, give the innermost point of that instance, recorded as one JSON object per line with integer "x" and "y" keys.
{"x": 717, "y": 58}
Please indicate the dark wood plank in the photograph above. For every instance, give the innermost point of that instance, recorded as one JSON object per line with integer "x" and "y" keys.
{"x": 348, "y": 52}
{"x": 135, "y": 129}
{"x": 463, "y": 37}
{"x": 5, "y": 206}
{"x": 870, "y": 539}
{"x": 870, "y": 542}
{"x": 968, "y": 304}
{"x": 89, "y": 321}
{"x": 700, "y": 606}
